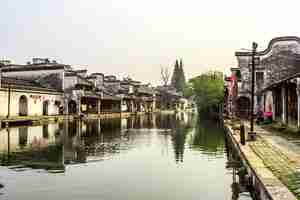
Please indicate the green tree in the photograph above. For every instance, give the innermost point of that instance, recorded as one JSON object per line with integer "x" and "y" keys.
{"x": 175, "y": 74}
{"x": 178, "y": 77}
{"x": 208, "y": 89}
{"x": 188, "y": 90}
{"x": 182, "y": 75}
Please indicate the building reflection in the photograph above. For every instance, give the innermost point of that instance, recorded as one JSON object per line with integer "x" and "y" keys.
{"x": 53, "y": 146}
{"x": 32, "y": 146}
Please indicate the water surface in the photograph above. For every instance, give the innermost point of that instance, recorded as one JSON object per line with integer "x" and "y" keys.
{"x": 145, "y": 157}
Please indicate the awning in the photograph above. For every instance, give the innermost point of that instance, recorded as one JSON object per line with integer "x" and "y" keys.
{"x": 277, "y": 83}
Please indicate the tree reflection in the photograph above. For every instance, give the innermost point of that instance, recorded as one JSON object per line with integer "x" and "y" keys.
{"x": 208, "y": 137}
{"x": 81, "y": 141}
{"x": 178, "y": 140}
{"x": 180, "y": 129}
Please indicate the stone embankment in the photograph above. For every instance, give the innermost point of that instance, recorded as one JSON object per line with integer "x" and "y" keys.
{"x": 274, "y": 175}
{"x": 30, "y": 120}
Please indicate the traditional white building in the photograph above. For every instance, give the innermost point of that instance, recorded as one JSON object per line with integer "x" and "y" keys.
{"x": 26, "y": 98}
{"x": 54, "y": 88}
{"x": 76, "y": 92}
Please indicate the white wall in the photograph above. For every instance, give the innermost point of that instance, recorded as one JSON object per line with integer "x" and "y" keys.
{"x": 269, "y": 102}
{"x": 131, "y": 89}
{"x": 35, "y": 103}
{"x": 124, "y": 107}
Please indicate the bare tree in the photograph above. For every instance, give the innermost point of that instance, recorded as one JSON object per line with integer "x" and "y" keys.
{"x": 165, "y": 75}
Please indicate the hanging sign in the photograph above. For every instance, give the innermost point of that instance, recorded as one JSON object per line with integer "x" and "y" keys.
{"x": 36, "y": 98}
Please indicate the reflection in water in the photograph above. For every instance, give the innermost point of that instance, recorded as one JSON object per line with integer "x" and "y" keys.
{"x": 240, "y": 180}
{"x": 31, "y": 147}
{"x": 84, "y": 141}
{"x": 23, "y": 134}
{"x": 145, "y": 140}
{"x": 182, "y": 125}
{"x": 207, "y": 138}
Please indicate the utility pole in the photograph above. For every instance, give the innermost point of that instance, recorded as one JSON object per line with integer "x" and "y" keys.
{"x": 252, "y": 133}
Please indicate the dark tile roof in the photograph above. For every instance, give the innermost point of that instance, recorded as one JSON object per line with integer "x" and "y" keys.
{"x": 130, "y": 82}
{"x": 168, "y": 90}
{"x": 277, "y": 83}
{"x": 23, "y": 84}
{"x": 51, "y": 81}
{"x": 145, "y": 90}
{"x": 100, "y": 74}
{"x": 112, "y": 89}
{"x": 108, "y": 96}
{"x": 33, "y": 67}
{"x": 92, "y": 94}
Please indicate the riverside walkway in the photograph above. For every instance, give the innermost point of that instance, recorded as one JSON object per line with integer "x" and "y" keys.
{"x": 274, "y": 162}
{"x": 281, "y": 156}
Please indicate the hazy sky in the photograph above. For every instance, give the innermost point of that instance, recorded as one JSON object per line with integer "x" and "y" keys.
{"x": 136, "y": 37}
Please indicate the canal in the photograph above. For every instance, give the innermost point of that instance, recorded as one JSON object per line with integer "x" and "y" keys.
{"x": 144, "y": 157}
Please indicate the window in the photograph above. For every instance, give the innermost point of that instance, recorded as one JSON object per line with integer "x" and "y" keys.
{"x": 238, "y": 74}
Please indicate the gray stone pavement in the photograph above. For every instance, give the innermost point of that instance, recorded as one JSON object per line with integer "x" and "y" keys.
{"x": 290, "y": 146}
{"x": 280, "y": 153}
{"x": 274, "y": 170}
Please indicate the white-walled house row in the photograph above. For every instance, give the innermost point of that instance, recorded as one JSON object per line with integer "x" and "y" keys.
{"x": 81, "y": 94}
{"x": 51, "y": 88}
{"x": 26, "y": 98}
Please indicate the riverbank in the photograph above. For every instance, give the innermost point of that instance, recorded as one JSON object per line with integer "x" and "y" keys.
{"x": 31, "y": 120}
{"x": 271, "y": 170}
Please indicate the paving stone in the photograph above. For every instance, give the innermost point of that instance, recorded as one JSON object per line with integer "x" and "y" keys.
{"x": 267, "y": 161}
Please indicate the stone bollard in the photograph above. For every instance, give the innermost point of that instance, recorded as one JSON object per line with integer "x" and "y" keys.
{"x": 242, "y": 134}
{"x": 251, "y": 136}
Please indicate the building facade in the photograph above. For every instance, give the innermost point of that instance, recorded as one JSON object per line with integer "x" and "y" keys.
{"x": 277, "y": 79}
{"x": 44, "y": 87}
